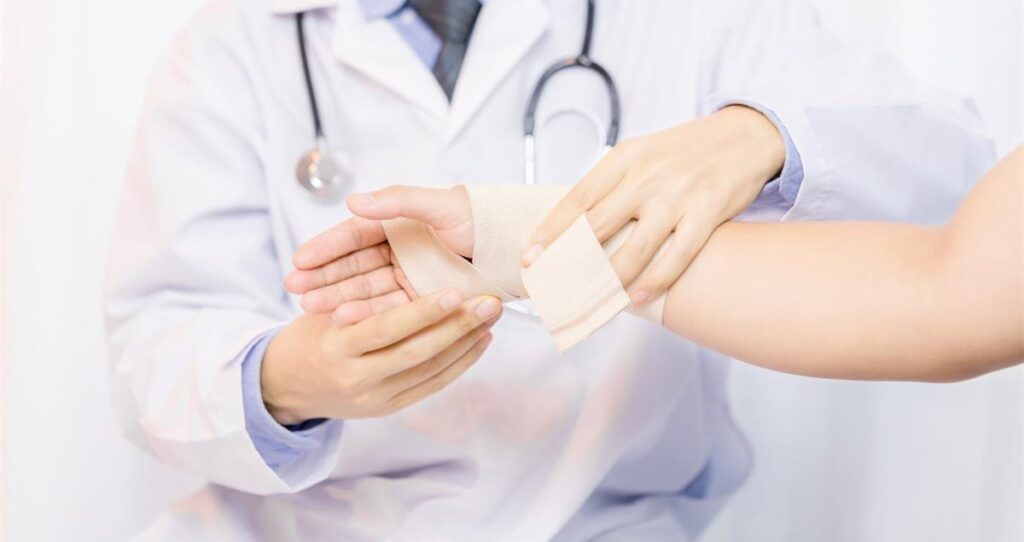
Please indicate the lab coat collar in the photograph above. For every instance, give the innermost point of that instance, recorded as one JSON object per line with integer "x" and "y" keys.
{"x": 291, "y": 7}
{"x": 374, "y": 48}
{"x": 505, "y": 31}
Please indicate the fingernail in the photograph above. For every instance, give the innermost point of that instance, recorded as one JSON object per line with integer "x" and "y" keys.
{"x": 532, "y": 254}
{"x": 451, "y": 300}
{"x": 361, "y": 200}
{"x": 639, "y": 296}
{"x": 488, "y": 308}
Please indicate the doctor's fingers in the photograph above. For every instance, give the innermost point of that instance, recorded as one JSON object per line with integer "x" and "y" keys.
{"x": 691, "y": 234}
{"x": 437, "y": 207}
{"x": 591, "y": 189}
{"x": 609, "y": 215}
{"x": 300, "y": 281}
{"x": 641, "y": 244}
{"x": 441, "y": 380}
{"x": 431, "y": 341}
{"x": 353, "y": 312}
{"x": 417, "y": 374}
{"x": 375, "y": 283}
{"x": 349, "y": 236}
{"x": 393, "y": 326}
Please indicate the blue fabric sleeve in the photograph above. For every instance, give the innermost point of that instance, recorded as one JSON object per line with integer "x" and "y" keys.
{"x": 783, "y": 190}
{"x": 280, "y": 446}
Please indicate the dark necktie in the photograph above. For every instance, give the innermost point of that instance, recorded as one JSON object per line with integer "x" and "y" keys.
{"x": 452, "y": 21}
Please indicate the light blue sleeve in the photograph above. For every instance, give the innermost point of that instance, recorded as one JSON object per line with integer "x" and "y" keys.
{"x": 280, "y": 446}
{"x": 781, "y": 192}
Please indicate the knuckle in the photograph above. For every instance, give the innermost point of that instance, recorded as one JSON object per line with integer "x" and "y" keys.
{"x": 349, "y": 383}
{"x": 438, "y": 384}
{"x": 382, "y": 334}
{"x": 640, "y": 246}
{"x": 411, "y": 351}
{"x": 330, "y": 347}
{"x": 663, "y": 278}
{"x": 364, "y": 401}
{"x": 642, "y": 172}
{"x": 685, "y": 256}
{"x": 399, "y": 402}
{"x": 355, "y": 236}
{"x": 351, "y": 265}
{"x": 466, "y": 322}
{"x": 391, "y": 191}
{"x": 705, "y": 198}
{"x": 629, "y": 149}
{"x": 362, "y": 287}
{"x": 575, "y": 202}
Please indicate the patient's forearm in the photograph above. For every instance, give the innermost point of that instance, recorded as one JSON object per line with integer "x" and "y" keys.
{"x": 827, "y": 299}
{"x": 865, "y": 301}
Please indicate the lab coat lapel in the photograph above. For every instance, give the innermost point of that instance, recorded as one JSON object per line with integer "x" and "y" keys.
{"x": 505, "y": 30}
{"x": 376, "y": 50}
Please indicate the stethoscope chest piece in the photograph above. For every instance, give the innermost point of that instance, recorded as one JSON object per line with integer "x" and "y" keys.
{"x": 321, "y": 175}
{"x": 318, "y": 171}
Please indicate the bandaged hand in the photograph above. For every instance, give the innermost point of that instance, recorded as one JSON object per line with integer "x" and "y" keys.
{"x": 351, "y": 270}
{"x": 679, "y": 183}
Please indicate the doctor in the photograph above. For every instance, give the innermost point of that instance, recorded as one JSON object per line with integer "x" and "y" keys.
{"x": 627, "y": 436}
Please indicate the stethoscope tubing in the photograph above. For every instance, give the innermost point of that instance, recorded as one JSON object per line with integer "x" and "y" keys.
{"x": 318, "y": 129}
{"x": 583, "y": 61}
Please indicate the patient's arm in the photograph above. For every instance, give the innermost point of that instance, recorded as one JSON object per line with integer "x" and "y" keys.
{"x": 838, "y": 300}
{"x": 864, "y": 300}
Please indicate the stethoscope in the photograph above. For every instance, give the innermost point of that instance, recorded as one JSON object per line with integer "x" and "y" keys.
{"x": 319, "y": 174}
{"x": 316, "y": 171}
{"x": 582, "y": 60}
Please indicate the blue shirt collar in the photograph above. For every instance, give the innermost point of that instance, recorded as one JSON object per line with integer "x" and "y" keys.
{"x": 380, "y": 9}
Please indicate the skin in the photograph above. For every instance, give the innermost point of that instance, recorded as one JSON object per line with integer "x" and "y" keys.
{"x": 710, "y": 170}
{"x": 837, "y": 300}
{"x": 318, "y": 368}
{"x": 688, "y": 179}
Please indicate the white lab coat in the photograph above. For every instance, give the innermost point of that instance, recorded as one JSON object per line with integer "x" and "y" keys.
{"x": 625, "y": 437}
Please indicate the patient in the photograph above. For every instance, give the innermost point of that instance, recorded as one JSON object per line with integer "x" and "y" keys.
{"x": 828, "y": 299}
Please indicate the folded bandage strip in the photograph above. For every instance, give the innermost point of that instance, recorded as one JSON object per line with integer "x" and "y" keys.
{"x": 572, "y": 285}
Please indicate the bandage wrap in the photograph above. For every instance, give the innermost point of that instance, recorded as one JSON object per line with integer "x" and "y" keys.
{"x": 572, "y": 284}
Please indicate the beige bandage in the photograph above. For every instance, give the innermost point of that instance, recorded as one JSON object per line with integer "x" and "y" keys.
{"x": 572, "y": 285}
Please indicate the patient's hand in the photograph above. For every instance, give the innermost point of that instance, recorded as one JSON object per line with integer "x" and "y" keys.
{"x": 350, "y": 270}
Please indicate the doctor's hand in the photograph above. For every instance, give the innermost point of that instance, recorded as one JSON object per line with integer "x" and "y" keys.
{"x": 687, "y": 179}
{"x": 350, "y": 269}
{"x": 316, "y": 368}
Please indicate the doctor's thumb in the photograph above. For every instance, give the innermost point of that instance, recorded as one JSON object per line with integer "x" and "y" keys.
{"x": 425, "y": 205}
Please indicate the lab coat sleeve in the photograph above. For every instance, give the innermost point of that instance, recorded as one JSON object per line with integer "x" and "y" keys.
{"x": 873, "y": 144}
{"x": 193, "y": 277}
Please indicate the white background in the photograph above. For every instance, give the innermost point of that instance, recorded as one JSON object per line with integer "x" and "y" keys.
{"x": 836, "y": 461}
